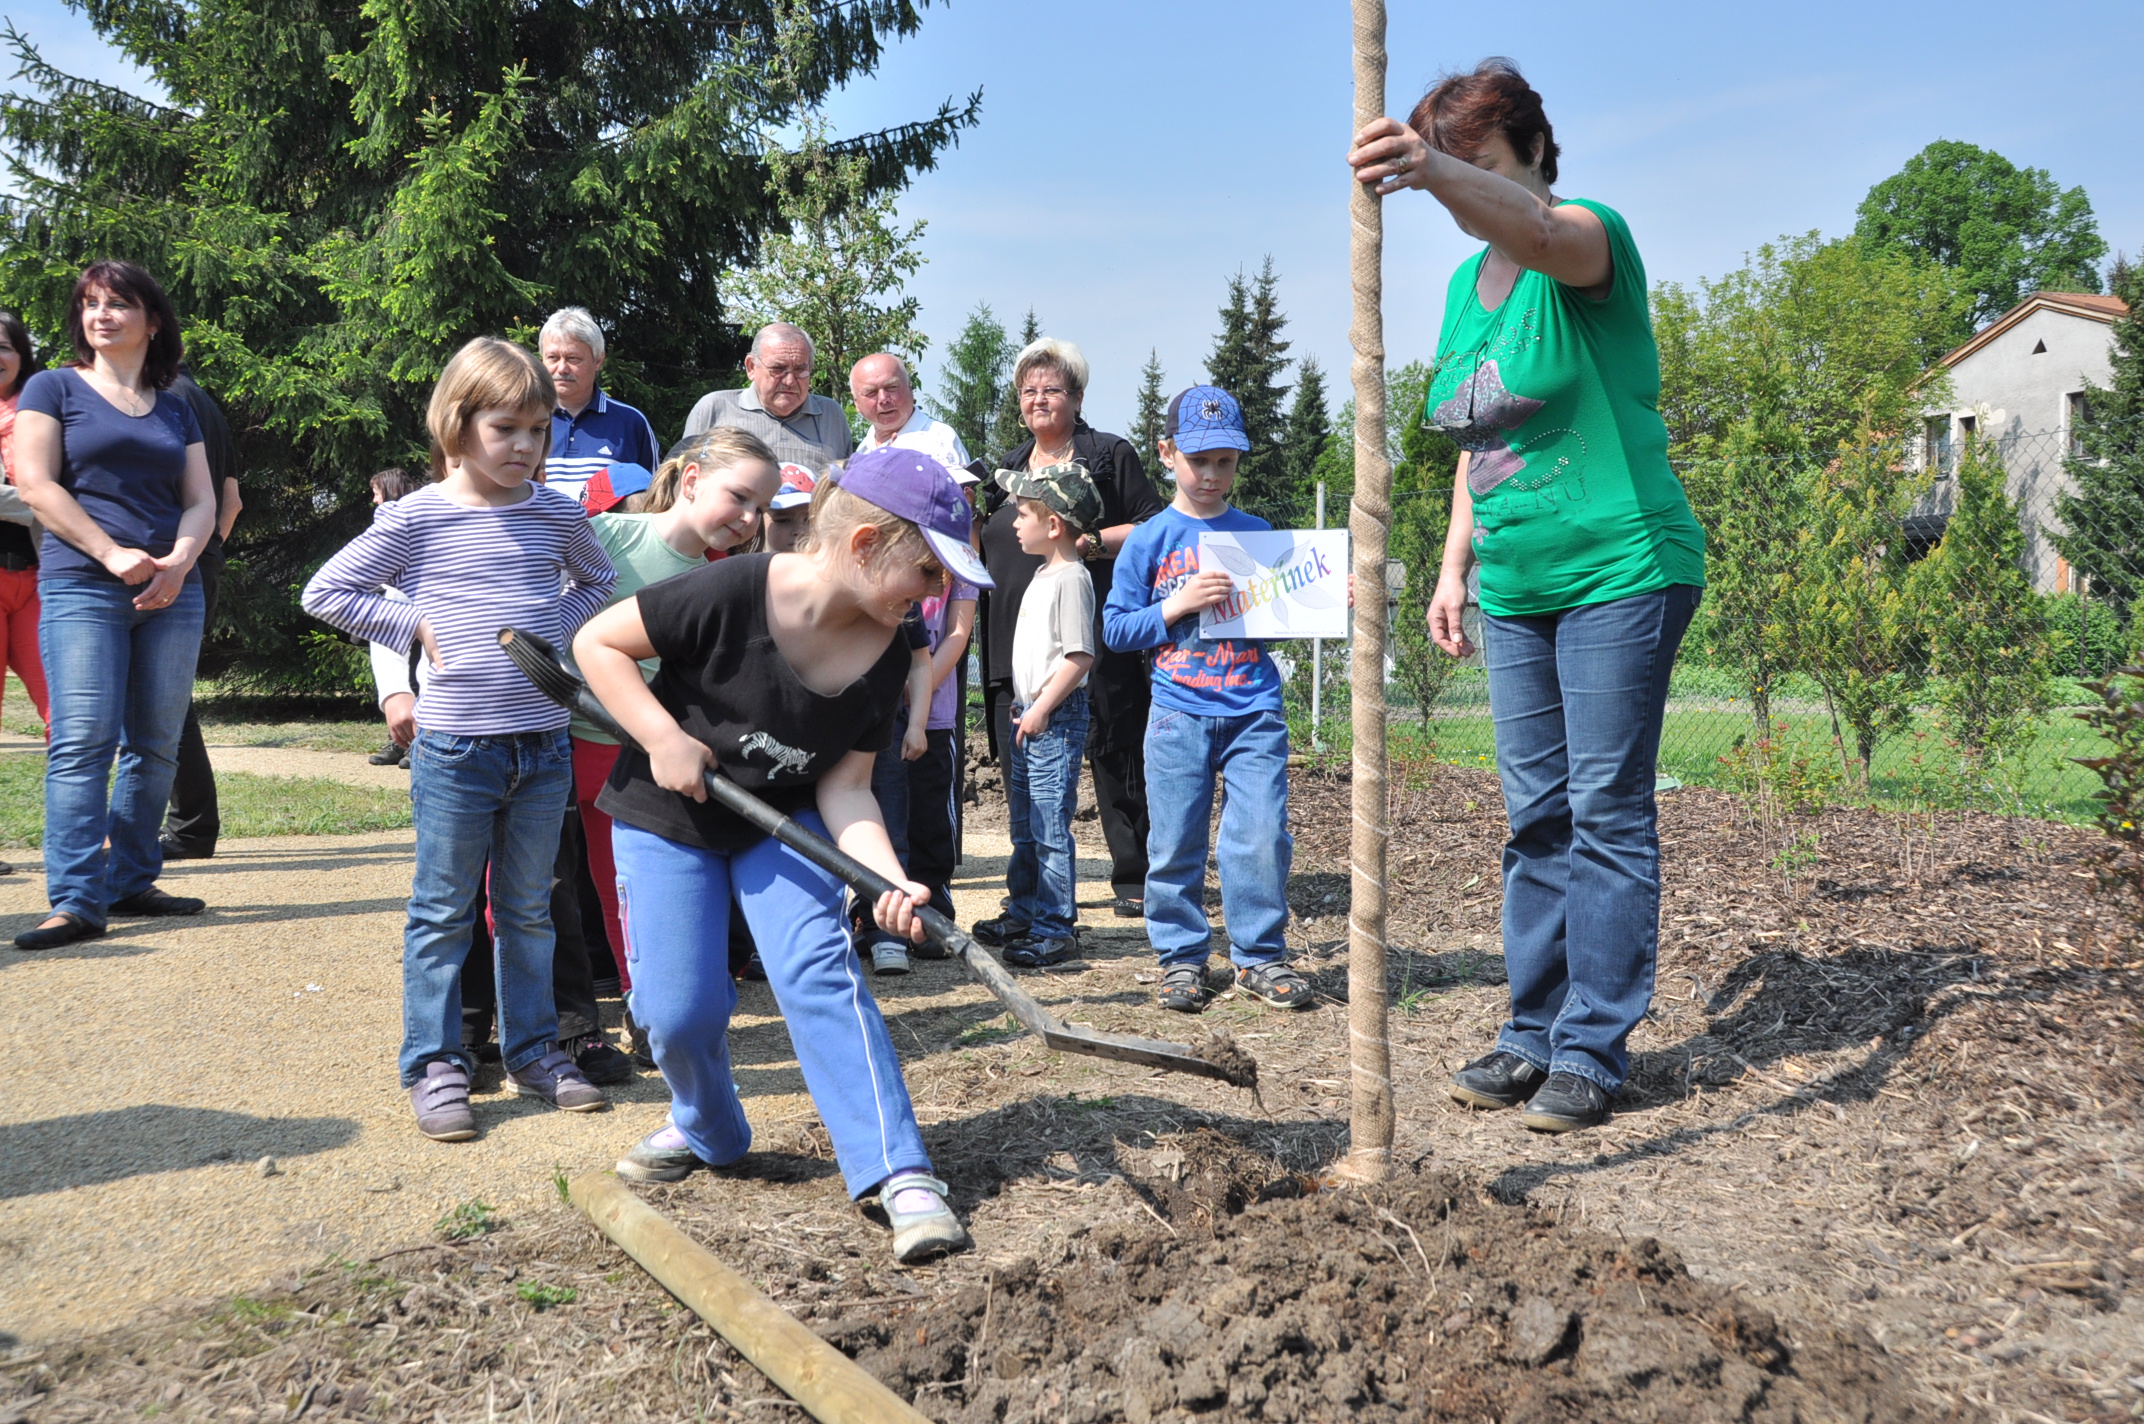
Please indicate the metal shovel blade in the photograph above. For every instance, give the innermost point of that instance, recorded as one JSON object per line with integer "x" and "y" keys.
{"x": 1217, "y": 1058}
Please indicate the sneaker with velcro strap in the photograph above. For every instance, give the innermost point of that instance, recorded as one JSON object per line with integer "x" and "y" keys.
{"x": 923, "y": 1221}
{"x": 1277, "y": 984}
{"x": 440, "y": 1098}
{"x": 1183, "y": 988}
{"x": 557, "y": 1080}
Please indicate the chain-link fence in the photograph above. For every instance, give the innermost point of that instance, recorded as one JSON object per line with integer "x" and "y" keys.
{"x": 1909, "y": 624}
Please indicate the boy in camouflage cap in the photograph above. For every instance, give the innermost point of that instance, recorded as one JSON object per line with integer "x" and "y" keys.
{"x": 1053, "y": 646}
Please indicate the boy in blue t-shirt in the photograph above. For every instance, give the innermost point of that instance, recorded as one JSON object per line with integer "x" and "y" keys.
{"x": 1216, "y": 712}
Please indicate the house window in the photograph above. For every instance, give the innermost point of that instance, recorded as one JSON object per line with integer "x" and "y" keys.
{"x": 1968, "y": 426}
{"x": 2077, "y": 413}
{"x": 1942, "y": 458}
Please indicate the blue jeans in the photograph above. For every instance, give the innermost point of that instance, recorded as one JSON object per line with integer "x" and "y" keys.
{"x": 121, "y": 681}
{"x": 1184, "y": 756}
{"x": 1578, "y": 697}
{"x": 500, "y": 799}
{"x": 1041, "y": 793}
{"x": 674, "y": 900}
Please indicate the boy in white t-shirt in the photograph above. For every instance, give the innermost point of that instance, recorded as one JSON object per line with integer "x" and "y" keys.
{"x": 1052, "y": 650}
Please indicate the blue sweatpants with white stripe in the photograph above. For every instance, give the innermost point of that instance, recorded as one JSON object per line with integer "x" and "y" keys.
{"x": 674, "y": 900}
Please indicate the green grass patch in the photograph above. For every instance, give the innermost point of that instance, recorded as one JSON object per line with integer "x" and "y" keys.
{"x": 1911, "y": 770}
{"x": 543, "y": 1297}
{"x": 250, "y": 805}
{"x": 995, "y": 1030}
{"x": 471, "y": 1218}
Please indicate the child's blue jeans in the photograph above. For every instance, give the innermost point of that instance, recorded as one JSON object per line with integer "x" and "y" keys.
{"x": 1041, "y": 793}
{"x": 1185, "y": 754}
{"x": 674, "y": 900}
{"x": 500, "y": 799}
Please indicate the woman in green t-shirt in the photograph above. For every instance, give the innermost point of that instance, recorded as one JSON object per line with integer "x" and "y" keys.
{"x": 1591, "y": 566}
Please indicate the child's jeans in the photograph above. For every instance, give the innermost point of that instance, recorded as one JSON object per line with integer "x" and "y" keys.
{"x": 478, "y": 798}
{"x": 1184, "y": 753}
{"x": 1042, "y": 792}
{"x": 676, "y": 901}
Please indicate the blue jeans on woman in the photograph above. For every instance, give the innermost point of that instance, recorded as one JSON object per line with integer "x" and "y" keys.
{"x": 1578, "y": 697}
{"x": 121, "y": 680}
{"x": 1248, "y": 755}
{"x": 1041, "y": 794}
{"x": 674, "y": 900}
{"x": 476, "y": 799}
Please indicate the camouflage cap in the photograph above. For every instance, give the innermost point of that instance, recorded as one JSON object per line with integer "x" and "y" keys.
{"x": 1066, "y": 490}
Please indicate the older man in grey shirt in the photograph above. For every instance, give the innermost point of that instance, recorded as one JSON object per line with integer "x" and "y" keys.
{"x": 778, "y": 406}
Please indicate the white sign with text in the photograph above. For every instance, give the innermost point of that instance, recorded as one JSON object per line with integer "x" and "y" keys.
{"x": 1290, "y": 583}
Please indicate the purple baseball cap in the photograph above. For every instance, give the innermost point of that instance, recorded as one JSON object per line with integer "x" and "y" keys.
{"x": 912, "y": 485}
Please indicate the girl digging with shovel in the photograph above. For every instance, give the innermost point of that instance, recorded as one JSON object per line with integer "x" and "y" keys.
{"x": 785, "y": 672}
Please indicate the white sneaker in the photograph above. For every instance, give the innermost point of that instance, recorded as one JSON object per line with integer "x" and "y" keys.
{"x": 923, "y": 1225}
{"x": 889, "y": 956}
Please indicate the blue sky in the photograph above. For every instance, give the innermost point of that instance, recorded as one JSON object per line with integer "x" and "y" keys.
{"x": 1132, "y": 155}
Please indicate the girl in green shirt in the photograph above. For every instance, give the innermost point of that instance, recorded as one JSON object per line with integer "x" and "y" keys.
{"x": 1591, "y": 566}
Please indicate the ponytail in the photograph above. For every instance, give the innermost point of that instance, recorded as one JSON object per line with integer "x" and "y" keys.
{"x": 716, "y": 449}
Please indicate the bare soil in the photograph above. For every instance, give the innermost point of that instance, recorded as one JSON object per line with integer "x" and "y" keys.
{"x": 1880, "y": 1158}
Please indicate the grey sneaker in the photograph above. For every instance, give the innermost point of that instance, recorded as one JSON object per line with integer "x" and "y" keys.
{"x": 558, "y": 1080}
{"x": 923, "y": 1224}
{"x": 661, "y": 1156}
{"x": 441, "y": 1101}
{"x": 889, "y": 956}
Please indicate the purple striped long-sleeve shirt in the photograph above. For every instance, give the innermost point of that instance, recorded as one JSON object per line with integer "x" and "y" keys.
{"x": 470, "y": 570}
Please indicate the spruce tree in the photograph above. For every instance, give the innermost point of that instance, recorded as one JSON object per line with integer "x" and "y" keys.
{"x": 1153, "y": 410}
{"x": 1008, "y": 429}
{"x": 2103, "y": 512}
{"x": 1309, "y": 426}
{"x": 337, "y": 197}
{"x": 1248, "y": 359}
{"x": 976, "y": 365}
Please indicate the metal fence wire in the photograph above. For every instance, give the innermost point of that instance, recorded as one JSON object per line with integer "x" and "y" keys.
{"x": 1909, "y": 623}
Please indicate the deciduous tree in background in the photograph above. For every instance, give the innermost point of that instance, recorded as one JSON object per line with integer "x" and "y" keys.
{"x": 338, "y": 196}
{"x": 976, "y": 367}
{"x": 2007, "y": 231}
{"x": 2104, "y": 513}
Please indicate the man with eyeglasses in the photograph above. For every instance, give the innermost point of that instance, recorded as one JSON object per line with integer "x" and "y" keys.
{"x": 778, "y": 406}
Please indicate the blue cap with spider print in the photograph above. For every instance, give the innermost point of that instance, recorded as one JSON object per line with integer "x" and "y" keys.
{"x": 1206, "y": 418}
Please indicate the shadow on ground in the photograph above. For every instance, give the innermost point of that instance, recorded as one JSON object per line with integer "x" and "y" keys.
{"x": 84, "y": 1149}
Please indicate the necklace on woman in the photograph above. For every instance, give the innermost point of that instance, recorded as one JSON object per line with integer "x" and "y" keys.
{"x": 1042, "y": 460}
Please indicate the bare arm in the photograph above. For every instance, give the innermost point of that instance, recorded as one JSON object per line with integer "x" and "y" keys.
{"x": 1063, "y": 678}
{"x": 1447, "y": 606}
{"x": 915, "y": 741}
{"x": 232, "y": 504}
{"x": 1565, "y": 242}
{"x": 854, "y": 822}
{"x": 960, "y": 626}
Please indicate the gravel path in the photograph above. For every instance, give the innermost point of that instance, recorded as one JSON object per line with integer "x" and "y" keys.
{"x": 147, "y": 1073}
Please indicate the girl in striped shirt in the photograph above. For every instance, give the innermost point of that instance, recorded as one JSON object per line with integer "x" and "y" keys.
{"x": 491, "y": 767}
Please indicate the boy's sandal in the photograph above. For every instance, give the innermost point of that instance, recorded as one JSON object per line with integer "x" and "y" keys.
{"x": 923, "y": 1224}
{"x": 1183, "y": 988}
{"x": 1277, "y": 984}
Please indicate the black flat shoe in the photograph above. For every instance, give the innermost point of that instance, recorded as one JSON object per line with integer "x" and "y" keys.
{"x": 1129, "y": 909}
{"x": 71, "y": 927}
{"x": 179, "y": 850}
{"x": 156, "y": 904}
{"x": 1566, "y": 1103}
